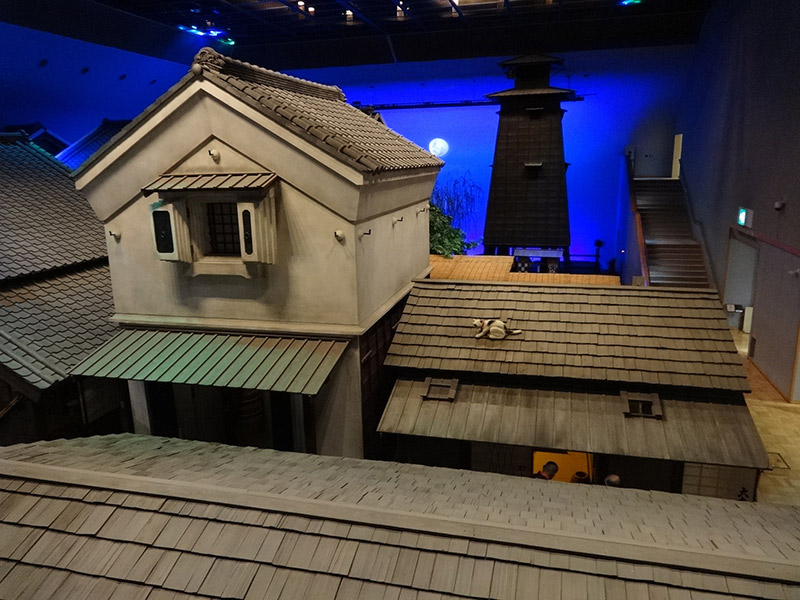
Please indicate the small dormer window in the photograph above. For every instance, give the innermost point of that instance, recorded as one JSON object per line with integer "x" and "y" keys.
{"x": 637, "y": 404}
{"x": 222, "y": 219}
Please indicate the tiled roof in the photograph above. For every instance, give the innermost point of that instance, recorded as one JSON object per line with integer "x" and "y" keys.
{"x": 39, "y": 135}
{"x": 498, "y": 268}
{"x": 44, "y": 221}
{"x": 704, "y": 432}
{"x": 48, "y": 326}
{"x": 77, "y": 152}
{"x": 257, "y": 362}
{"x": 667, "y": 337}
{"x": 316, "y": 112}
{"x": 138, "y": 516}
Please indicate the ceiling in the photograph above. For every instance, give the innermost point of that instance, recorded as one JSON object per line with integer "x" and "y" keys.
{"x": 315, "y": 33}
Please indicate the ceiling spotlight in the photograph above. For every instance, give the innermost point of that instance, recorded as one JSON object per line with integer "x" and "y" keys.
{"x": 311, "y": 10}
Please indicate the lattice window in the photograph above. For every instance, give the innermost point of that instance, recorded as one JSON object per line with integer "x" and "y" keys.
{"x": 223, "y": 229}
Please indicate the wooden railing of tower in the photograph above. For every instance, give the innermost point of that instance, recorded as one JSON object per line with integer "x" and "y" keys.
{"x": 637, "y": 217}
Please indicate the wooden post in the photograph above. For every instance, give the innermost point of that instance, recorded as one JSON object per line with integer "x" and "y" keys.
{"x": 139, "y": 410}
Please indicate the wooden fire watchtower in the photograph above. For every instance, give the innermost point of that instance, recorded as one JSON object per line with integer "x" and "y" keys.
{"x": 528, "y": 194}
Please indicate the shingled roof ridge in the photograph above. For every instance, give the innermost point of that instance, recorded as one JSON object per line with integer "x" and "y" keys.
{"x": 11, "y": 137}
{"x": 208, "y": 58}
{"x": 22, "y": 140}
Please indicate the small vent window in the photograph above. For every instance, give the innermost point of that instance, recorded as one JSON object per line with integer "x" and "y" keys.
{"x": 162, "y": 225}
{"x": 636, "y": 404}
{"x": 223, "y": 229}
{"x": 440, "y": 389}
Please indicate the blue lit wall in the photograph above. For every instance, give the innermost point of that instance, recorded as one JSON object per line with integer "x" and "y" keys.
{"x": 630, "y": 100}
{"x": 58, "y": 95}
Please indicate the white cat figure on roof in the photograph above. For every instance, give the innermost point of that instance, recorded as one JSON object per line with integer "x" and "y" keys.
{"x": 496, "y": 329}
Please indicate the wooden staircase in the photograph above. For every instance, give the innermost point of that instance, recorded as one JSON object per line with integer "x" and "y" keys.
{"x": 674, "y": 257}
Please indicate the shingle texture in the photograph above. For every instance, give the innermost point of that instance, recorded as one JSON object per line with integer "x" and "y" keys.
{"x": 44, "y": 221}
{"x": 48, "y": 326}
{"x": 705, "y": 432}
{"x": 77, "y": 152}
{"x": 618, "y": 334}
{"x": 316, "y": 112}
{"x": 130, "y": 516}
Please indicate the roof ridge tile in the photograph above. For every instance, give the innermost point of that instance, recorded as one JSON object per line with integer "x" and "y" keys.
{"x": 211, "y": 59}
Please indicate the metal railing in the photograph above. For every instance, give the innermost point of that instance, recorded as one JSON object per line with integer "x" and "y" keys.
{"x": 637, "y": 217}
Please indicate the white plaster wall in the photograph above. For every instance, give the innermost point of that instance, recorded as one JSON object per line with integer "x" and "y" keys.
{"x": 391, "y": 256}
{"x": 338, "y": 409}
{"x": 312, "y": 280}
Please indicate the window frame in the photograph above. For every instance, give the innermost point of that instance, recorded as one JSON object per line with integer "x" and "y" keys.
{"x": 188, "y": 211}
{"x": 199, "y": 233}
{"x": 630, "y": 399}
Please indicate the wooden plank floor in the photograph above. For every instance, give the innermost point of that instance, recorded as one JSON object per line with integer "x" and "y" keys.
{"x": 778, "y": 424}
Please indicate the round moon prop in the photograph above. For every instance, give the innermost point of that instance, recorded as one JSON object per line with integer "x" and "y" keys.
{"x": 438, "y": 147}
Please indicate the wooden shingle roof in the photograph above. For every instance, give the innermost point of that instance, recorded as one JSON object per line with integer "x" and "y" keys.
{"x": 703, "y": 432}
{"x": 628, "y": 335}
{"x": 45, "y": 223}
{"x": 143, "y": 517}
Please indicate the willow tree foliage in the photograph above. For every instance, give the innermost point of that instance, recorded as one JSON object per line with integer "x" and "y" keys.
{"x": 453, "y": 201}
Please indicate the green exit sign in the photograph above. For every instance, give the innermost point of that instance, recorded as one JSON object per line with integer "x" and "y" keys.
{"x": 745, "y": 218}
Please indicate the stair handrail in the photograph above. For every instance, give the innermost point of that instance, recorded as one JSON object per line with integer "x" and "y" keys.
{"x": 9, "y": 407}
{"x": 698, "y": 228}
{"x": 637, "y": 218}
